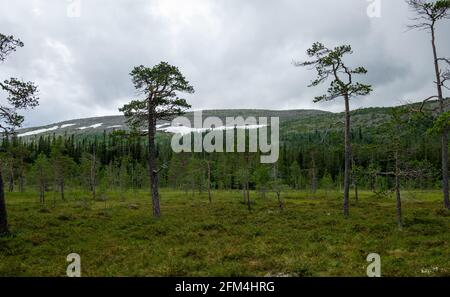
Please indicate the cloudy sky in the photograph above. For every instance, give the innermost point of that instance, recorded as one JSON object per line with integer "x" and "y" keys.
{"x": 236, "y": 53}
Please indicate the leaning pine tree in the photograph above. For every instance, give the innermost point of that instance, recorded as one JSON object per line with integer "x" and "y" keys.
{"x": 20, "y": 95}
{"x": 329, "y": 64}
{"x": 159, "y": 86}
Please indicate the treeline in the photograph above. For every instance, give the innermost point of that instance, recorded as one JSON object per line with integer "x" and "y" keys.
{"x": 308, "y": 161}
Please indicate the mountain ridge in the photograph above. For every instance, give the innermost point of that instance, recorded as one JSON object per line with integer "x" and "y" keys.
{"x": 291, "y": 121}
{"x": 95, "y": 125}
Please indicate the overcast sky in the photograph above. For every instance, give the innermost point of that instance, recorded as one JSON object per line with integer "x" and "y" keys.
{"x": 236, "y": 53}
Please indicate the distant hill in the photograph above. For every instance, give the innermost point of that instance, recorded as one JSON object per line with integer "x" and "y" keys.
{"x": 291, "y": 121}
{"x": 97, "y": 125}
{"x": 366, "y": 118}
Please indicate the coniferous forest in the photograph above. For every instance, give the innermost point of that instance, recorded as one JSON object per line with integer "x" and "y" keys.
{"x": 308, "y": 161}
{"x": 354, "y": 191}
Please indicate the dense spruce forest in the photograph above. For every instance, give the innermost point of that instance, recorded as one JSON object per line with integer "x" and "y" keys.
{"x": 308, "y": 160}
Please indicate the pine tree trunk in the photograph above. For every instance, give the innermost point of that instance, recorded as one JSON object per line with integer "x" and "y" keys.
{"x": 445, "y": 186}
{"x": 42, "y": 194}
{"x": 314, "y": 181}
{"x": 372, "y": 182}
{"x": 61, "y": 188}
{"x": 21, "y": 183}
{"x": 93, "y": 176}
{"x": 247, "y": 181}
{"x": 3, "y": 213}
{"x": 209, "y": 182}
{"x": 152, "y": 166}
{"x": 397, "y": 191}
{"x": 11, "y": 180}
{"x": 280, "y": 202}
{"x": 249, "y": 204}
{"x": 348, "y": 154}
{"x": 444, "y": 139}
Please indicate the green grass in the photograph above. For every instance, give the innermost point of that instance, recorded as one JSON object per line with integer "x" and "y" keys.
{"x": 195, "y": 238}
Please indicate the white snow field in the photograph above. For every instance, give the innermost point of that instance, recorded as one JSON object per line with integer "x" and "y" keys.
{"x": 167, "y": 127}
{"x": 66, "y": 126}
{"x": 183, "y": 130}
{"x": 39, "y": 131}
{"x": 91, "y": 126}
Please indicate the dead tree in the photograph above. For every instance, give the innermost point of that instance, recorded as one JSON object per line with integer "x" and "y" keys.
{"x": 428, "y": 15}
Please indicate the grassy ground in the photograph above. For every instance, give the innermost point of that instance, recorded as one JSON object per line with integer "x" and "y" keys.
{"x": 195, "y": 238}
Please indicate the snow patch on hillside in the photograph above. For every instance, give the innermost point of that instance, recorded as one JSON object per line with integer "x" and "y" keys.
{"x": 67, "y": 125}
{"x": 183, "y": 130}
{"x": 162, "y": 125}
{"x": 91, "y": 126}
{"x": 39, "y": 131}
{"x": 180, "y": 129}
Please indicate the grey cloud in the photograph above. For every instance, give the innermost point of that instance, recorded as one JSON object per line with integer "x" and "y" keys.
{"x": 237, "y": 53}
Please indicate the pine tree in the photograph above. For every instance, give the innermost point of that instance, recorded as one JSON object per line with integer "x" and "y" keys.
{"x": 20, "y": 95}
{"x": 329, "y": 63}
{"x": 428, "y": 16}
{"x": 42, "y": 175}
{"x": 160, "y": 86}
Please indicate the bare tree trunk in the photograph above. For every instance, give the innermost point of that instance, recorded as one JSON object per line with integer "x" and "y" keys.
{"x": 152, "y": 166}
{"x": 3, "y": 213}
{"x": 445, "y": 186}
{"x": 314, "y": 174}
{"x": 299, "y": 182}
{"x": 444, "y": 140}
{"x": 397, "y": 191}
{"x": 61, "y": 189}
{"x": 372, "y": 182}
{"x": 280, "y": 202}
{"x": 249, "y": 203}
{"x": 93, "y": 176}
{"x": 21, "y": 182}
{"x": 11, "y": 178}
{"x": 201, "y": 183}
{"x": 247, "y": 182}
{"x": 41, "y": 186}
{"x": 348, "y": 153}
{"x": 355, "y": 181}
{"x": 209, "y": 181}
{"x": 42, "y": 194}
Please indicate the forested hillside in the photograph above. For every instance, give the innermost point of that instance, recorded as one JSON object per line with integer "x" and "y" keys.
{"x": 310, "y": 156}
{"x": 93, "y": 126}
